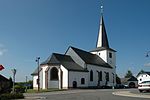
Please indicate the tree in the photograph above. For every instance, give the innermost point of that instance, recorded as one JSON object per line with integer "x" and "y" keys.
{"x": 140, "y": 72}
{"x": 128, "y": 74}
{"x": 118, "y": 80}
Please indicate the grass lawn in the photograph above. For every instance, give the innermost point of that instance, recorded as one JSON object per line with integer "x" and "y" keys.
{"x": 41, "y": 91}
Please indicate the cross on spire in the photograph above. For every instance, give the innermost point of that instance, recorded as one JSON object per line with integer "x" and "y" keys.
{"x": 102, "y": 35}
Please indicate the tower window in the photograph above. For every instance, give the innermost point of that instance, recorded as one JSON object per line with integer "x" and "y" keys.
{"x": 110, "y": 55}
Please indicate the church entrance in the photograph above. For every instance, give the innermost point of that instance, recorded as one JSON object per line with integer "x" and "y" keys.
{"x": 74, "y": 84}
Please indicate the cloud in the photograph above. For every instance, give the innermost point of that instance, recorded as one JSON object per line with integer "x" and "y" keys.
{"x": 2, "y": 49}
{"x": 147, "y": 65}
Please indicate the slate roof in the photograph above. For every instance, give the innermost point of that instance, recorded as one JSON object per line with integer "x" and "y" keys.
{"x": 132, "y": 78}
{"x": 90, "y": 58}
{"x": 104, "y": 41}
{"x": 148, "y": 73}
{"x": 102, "y": 48}
{"x": 2, "y": 78}
{"x": 60, "y": 59}
{"x": 69, "y": 63}
{"x": 143, "y": 73}
{"x": 35, "y": 71}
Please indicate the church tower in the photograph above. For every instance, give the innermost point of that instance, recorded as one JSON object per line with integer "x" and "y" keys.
{"x": 102, "y": 47}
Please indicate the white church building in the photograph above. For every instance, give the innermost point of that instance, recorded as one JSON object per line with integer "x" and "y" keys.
{"x": 78, "y": 68}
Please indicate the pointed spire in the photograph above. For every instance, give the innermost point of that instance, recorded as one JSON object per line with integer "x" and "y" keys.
{"x": 102, "y": 35}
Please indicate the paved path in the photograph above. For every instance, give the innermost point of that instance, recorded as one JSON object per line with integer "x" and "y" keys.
{"x": 87, "y": 94}
{"x": 129, "y": 94}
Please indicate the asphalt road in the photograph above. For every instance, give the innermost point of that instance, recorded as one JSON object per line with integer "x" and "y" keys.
{"x": 87, "y": 94}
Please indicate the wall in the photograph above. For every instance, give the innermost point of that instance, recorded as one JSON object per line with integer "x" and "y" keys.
{"x": 65, "y": 77}
{"x": 35, "y": 85}
{"x": 95, "y": 68}
{"x": 43, "y": 76}
{"x": 75, "y": 57}
{"x": 76, "y": 76}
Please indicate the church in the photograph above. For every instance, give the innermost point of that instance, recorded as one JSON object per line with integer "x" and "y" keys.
{"x": 77, "y": 68}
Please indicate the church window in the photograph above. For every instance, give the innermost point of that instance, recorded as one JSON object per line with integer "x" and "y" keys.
{"x": 54, "y": 74}
{"x": 82, "y": 81}
{"x": 110, "y": 55}
{"x": 107, "y": 76}
{"x": 100, "y": 75}
{"x": 37, "y": 81}
{"x": 91, "y": 75}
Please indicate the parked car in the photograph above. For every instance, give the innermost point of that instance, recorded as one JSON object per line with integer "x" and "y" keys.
{"x": 144, "y": 86}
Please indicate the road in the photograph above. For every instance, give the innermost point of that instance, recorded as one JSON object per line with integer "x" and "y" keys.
{"x": 89, "y": 94}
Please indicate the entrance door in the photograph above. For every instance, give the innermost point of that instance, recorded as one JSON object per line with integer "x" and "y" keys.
{"x": 74, "y": 84}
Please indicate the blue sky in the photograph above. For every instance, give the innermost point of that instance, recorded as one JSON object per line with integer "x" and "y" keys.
{"x": 31, "y": 28}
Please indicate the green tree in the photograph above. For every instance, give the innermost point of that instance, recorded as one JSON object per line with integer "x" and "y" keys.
{"x": 128, "y": 74}
{"x": 140, "y": 72}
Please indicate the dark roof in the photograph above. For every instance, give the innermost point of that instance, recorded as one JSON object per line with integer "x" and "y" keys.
{"x": 2, "y": 78}
{"x": 102, "y": 48}
{"x": 144, "y": 72}
{"x": 69, "y": 63}
{"x": 148, "y": 73}
{"x": 65, "y": 60}
{"x": 36, "y": 71}
{"x": 90, "y": 58}
{"x": 132, "y": 78}
{"x": 104, "y": 34}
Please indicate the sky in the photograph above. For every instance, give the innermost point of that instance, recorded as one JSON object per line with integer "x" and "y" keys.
{"x": 31, "y": 28}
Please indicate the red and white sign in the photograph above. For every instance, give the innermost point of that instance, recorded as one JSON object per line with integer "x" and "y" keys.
{"x": 1, "y": 67}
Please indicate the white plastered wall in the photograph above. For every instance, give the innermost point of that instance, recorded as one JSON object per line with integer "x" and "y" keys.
{"x": 95, "y": 68}
{"x": 76, "y": 76}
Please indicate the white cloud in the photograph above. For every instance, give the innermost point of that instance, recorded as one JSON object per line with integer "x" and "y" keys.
{"x": 2, "y": 49}
{"x": 147, "y": 65}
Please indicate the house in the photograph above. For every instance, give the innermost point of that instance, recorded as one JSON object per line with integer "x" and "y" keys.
{"x": 131, "y": 82}
{"x": 79, "y": 68}
{"x": 5, "y": 84}
{"x": 144, "y": 76}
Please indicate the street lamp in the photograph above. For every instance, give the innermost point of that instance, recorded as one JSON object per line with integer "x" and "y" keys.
{"x": 113, "y": 80}
{"x": 37, "y": 60}
{"x": 26, "y": 83}
{"x": 14, "y": 73}
{"x": 147, "y": 54}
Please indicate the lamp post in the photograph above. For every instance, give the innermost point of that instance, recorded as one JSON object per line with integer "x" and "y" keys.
{"x": 147, "y": 54}
{"x": 37, "y": 60}
{"x": 113, "y": 80}
{"x": 14, "y": 73}
{"x": 26, "y": 83}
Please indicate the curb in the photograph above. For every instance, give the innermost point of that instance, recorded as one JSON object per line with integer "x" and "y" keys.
{"x": 128, "y": 94}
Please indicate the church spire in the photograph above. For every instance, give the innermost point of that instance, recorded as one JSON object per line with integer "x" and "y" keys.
{"x": 102, "y": 36}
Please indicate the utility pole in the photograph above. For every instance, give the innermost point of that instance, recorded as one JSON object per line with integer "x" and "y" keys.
{"x": 26, "y": 83}
{"x": 14, "y": 73}
{"x": 37, "y": 60}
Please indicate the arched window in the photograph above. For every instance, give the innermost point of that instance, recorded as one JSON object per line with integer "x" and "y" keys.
{"x": 54, "y": 74}
{"x": 82, "y": 81}
{"x": 91, "y": 75}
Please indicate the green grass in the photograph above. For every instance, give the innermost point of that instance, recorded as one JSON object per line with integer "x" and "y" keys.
{"x": 41, "y": 91}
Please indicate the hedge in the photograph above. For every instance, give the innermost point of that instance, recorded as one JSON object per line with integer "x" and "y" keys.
{"x": 11, "y": 96}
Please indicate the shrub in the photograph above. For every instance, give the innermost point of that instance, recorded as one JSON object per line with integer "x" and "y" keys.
{"x": 11, "y": 96}
{"x": 19, "y": 89}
